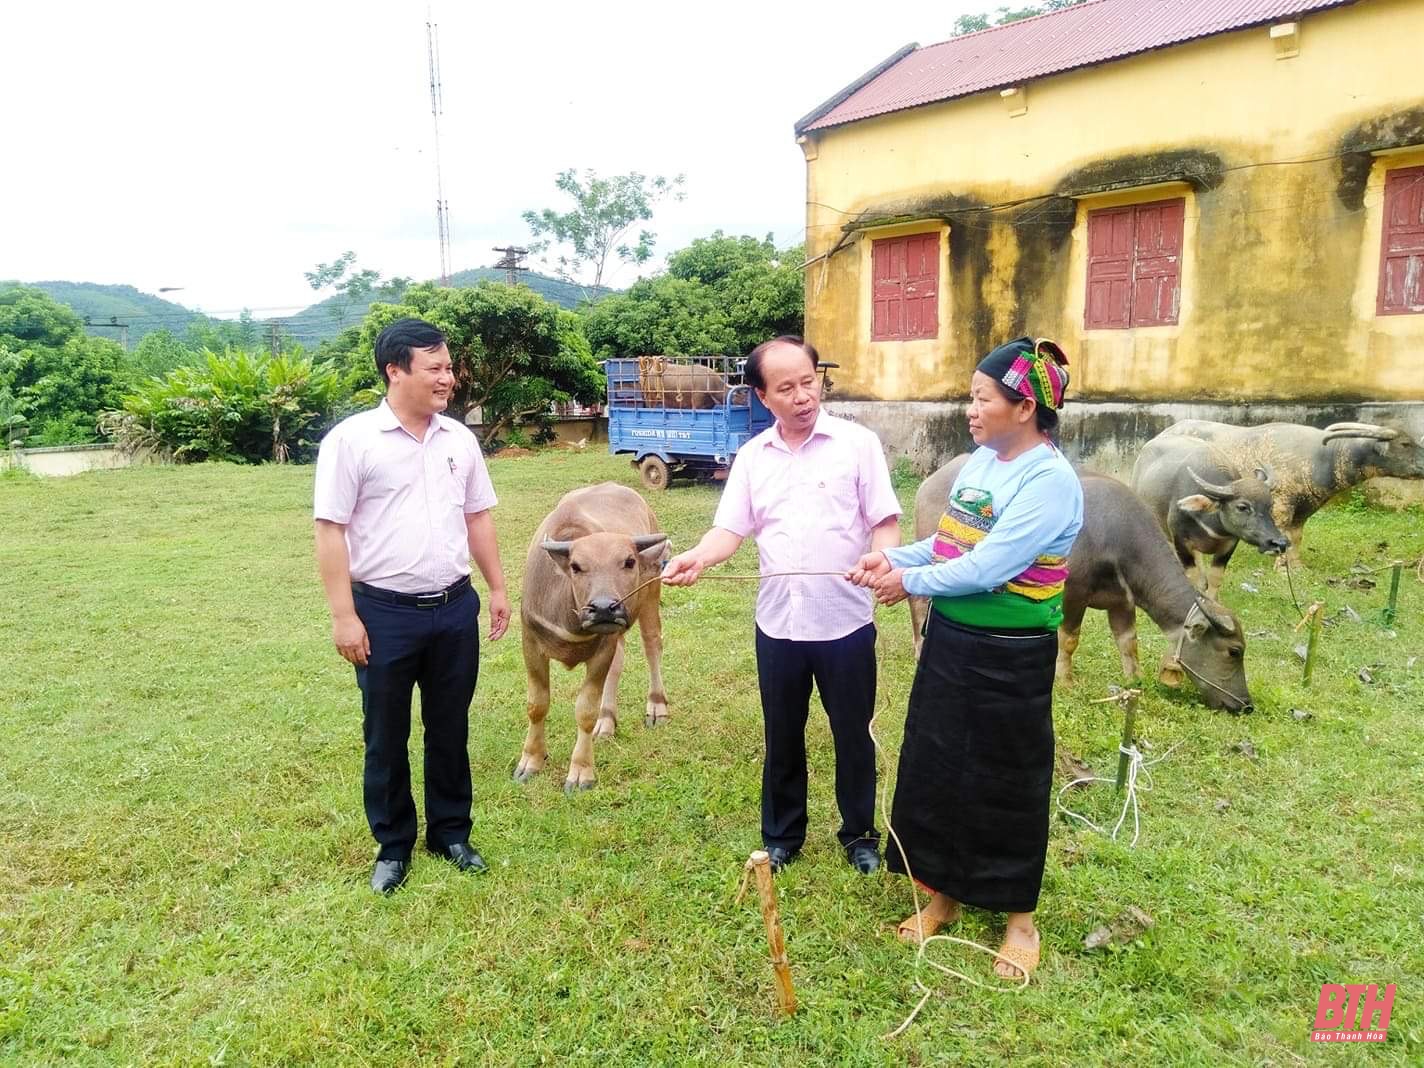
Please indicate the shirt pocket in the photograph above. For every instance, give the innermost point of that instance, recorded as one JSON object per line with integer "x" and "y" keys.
{"x": 836, "y": 501}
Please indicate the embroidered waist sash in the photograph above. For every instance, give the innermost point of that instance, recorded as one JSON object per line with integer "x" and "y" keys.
{"x": 1031, "y": 599}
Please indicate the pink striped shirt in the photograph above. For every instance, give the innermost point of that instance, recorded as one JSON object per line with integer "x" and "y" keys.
{"x": 810, "y": 510}
{"x": 402, "y": 499}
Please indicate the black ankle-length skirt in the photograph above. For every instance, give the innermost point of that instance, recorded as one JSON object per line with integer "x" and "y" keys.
{"x": 976, "y": 767}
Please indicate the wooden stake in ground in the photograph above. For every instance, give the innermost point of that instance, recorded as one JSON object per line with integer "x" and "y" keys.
{"x": 1129, "y": 713}
{"x": 1313, "y": 614}
{"x": 760, "y": 862}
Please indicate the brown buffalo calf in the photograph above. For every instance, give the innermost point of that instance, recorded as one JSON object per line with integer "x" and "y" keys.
{"x": 580, "y": 595}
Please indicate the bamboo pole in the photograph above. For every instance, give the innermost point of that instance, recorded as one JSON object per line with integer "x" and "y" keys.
{"x": 1314, "y": 616}
{"x": 1389, "y": 610}
{"x": 1128, "y": 715}
{"x": 760, "y": 862}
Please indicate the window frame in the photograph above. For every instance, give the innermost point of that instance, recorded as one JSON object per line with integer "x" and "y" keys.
{"x": 1135, "y": 259}
{"x": 922, "y": 285}
{"x": 1399, "y": 175}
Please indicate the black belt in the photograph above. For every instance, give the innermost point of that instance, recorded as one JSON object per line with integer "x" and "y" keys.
{"x": 415, "y": 600}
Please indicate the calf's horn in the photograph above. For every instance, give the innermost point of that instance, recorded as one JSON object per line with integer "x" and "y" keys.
{"x": 647, "y": 541}
{"x": 1221, "y": 493}
{"x": 556, "y": 548}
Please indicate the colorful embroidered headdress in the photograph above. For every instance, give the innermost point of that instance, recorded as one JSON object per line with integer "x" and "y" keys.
{"x": 1037, "y": 369}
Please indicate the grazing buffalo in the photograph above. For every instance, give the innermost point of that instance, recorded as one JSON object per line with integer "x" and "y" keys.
{"x": 666, "y": 384}
{"x": 581, "y": 593}
{"x": 1204, "y": 505}
{"x": 1122, "y": 562}
{"x": 1309, "y": 466}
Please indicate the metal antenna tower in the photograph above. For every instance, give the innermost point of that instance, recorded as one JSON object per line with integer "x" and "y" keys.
{"x": 437, "y": 108}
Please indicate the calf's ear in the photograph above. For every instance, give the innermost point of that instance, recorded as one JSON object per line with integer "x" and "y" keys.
{"x": 1197, "y": 502}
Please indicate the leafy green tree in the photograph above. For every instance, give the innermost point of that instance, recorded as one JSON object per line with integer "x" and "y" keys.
{"x": 351, "y": 289}
{"x": 515, "y": 353}
{"x": 720, "y": 296}
{"x": 12, "y": 421}
{"x": 58, "y": 377}
{"x": 161, "y": 351}
{"x": 1004, "y": 15}
{"x": 217, "y": 335}
{"x": 598, "y": 228}
{"x": 29, "y": 316}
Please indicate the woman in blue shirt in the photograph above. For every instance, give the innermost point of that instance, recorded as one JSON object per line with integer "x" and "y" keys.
{"x": 976, "y": 767}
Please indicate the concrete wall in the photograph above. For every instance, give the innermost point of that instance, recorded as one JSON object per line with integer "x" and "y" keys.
{"x": 1107, "y": 436}
{"x": 1281, "y": 163}
{"x": 66, "y": 459}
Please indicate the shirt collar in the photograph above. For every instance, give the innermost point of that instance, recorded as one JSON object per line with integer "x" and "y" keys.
{"x": 386, "y": 419}
{"x": 825, "y": 428}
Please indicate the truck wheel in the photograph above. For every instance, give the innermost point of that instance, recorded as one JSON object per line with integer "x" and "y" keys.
{"x": 655, "y": 473}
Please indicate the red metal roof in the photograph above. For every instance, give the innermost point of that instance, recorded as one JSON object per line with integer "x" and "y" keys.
{"x": 1095, "y": 32}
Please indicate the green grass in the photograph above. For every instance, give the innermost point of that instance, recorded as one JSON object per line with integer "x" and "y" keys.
{"x": 183, "y": 857}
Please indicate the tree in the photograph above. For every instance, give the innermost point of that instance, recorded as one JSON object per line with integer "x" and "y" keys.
{"x": 217, "y": 335}
{"x": 58, "y": 377}
{"x": 161, "y": 351}
{"x": 720, "y": 296}
{"x": 598, "y": 228}
{"x": 357, "y": 287}
{"x": 12, "y": 421}
{"x": 515, "y": 353}
{"x": 1004, "y": 15}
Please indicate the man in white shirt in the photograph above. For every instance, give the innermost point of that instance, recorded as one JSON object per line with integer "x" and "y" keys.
{"x": 402, "y": 505}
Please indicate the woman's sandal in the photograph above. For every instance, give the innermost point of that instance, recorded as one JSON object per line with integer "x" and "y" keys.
{"x": 1024, "y": 958}
{"x": 915, "y": 929}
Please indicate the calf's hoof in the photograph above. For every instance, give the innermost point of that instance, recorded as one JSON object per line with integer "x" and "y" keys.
{"x": 657, "y": 714}
{"x": 606, "y": 727}
{"x": 573, "y": 786}
{"x": 527, "y": 768}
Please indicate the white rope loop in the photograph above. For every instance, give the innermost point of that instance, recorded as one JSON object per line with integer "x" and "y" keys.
{"x": 1137, "y": 767}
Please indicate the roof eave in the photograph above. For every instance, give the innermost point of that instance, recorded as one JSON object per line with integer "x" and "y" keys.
{"x": 865, "y": 79}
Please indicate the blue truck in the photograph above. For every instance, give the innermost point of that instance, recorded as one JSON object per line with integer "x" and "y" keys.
{"x": 682, "y": 417}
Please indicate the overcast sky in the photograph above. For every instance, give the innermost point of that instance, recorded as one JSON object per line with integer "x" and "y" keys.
{"x": 226, "y": 148}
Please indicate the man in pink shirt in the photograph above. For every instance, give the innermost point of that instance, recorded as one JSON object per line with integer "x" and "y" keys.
{"x": 403, "y": 503}
{"x": 815, "y": 492}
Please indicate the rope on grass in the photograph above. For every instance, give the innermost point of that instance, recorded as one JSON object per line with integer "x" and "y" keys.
{"x": 1137, "y": 766}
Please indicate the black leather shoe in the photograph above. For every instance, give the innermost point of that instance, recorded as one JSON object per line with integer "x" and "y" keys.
{"x": 864, "y": 858}
{"x": 781, "y": 856}
{"x": 389, "y": 875}
{"x": 463, "y": 857}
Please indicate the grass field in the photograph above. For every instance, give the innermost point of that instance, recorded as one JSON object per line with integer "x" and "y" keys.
{"x": 183, "y": 857}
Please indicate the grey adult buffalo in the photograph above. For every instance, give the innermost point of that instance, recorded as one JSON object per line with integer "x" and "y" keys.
{"x": 1309, "y": 466}
{"x": 580, "y": 595}
{"x": 1121, "y": 562}
{"x": 1205, "y": 504}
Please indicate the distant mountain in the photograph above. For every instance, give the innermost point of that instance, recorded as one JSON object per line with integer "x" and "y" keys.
{"x": 326, "y": 318}
{"x": 143, "y": 312}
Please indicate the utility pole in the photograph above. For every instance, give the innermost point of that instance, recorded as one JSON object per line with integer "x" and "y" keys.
{"x": 276, "y": 343}
{"x": 437, "y": 108}
{"x": 123, "y": 329}
{"x": 511, "y": 263}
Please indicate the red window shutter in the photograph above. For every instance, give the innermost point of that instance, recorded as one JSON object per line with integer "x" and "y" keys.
{"x": 887, "y": 282}
{"x": 1401, "y": 287}
{"x": 1110, "y": 246}
{"x": 905, "y": 288}
{"x": 1157, "y": 254}
{"x": 922, "y": 286}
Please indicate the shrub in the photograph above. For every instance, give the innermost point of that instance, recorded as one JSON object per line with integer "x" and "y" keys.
{"x": 238, "y": 406}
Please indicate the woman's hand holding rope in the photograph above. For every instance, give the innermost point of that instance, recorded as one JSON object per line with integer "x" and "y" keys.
{"x": 875, "y": 572}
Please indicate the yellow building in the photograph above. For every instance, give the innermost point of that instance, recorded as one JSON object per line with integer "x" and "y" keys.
{"x": 1208, "y": 202}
